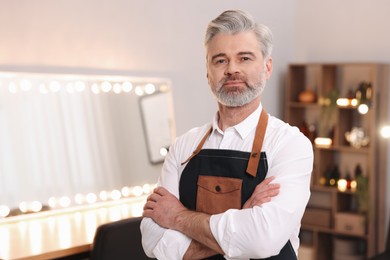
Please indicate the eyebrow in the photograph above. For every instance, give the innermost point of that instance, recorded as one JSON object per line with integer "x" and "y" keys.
{"x": 247, "y": 53}
{"x": 219, "y": 55}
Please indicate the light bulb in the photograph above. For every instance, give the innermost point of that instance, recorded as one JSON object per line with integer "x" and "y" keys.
{"x": 116, "y": 195}
{"x": 25, "y": 85}
{"x": 150, "y": 88}
{"x": 91, "y": 198}
{"x": 36, "y": 206}
{"x": 137, "y": 191}
{"x": 106, "y": 86}
{"x": 54, "y": 86}
{"x": 385, "y": 131}
{"x": 127, "y": 86}
{"x": 363, "y": 109}
{"x": 139, "y": 91}
{"x": 79, "y": 86}
{"x": 4, "y": 211}
{"x": 117, "y": 88}
{"x": 95, "y": 88}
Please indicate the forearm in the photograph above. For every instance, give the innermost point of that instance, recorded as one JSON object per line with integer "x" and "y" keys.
{"x": 197, "y": 250}
{"x": 196, "y": 225}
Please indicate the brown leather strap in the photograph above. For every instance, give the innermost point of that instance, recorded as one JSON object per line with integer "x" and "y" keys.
{"x": 256, "y": 147}
{"x": 200, "y": 145}
{"x": 257, "y": 144}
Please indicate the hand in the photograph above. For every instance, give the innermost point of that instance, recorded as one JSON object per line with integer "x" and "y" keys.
{"x": 262, "y": 193}
{"x": 163, "y": 207}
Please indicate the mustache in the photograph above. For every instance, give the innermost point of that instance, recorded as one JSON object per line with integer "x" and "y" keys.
{"x": 232, "y": 78}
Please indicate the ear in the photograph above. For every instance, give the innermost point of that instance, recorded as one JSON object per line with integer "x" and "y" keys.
{"x": 268, "y": 68}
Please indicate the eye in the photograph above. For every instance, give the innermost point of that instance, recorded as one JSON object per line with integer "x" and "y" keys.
{"x": 220, "y": 61}
{"x": 245, "y": 58}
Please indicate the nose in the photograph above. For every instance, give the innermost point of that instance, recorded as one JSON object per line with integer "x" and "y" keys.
{"x": 232, "y": 68}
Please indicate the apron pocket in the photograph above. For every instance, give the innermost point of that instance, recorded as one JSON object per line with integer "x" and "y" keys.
{"x": 218, "y": 194}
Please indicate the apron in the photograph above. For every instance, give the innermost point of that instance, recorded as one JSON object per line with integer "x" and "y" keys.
{"x": 211, "y": 172}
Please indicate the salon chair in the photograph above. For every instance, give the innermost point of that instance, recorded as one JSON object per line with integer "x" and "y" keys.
{"x": 118, "y": 240}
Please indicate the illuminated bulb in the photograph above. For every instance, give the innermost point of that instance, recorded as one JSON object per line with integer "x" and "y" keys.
{"x": 4, "y": 211}
{"x": 103, "y": 195}
{"x": 12, "y": 87}
{"x": 354, "y": 102}
{"x": 117, "y": 88}
{"x": 64, "y": 202}
{"x": 54, "y": 86}
{"x": 36, "y": 206}
{"x": 163, "y": 151}
{"x": 164, "y": 88}
{"x": 25, "y": 85}
{"x": 95, "y": 88}
{"x": 139, "y": 91}
{"x": 79, "y": 86}
{"x": 342, "y": 102}
{"x": 106, "y": 86}
{"x": 52, "y": 202}
{"x": 342, "y": 185}
{"x": 385, "y": 131}
{"x": 23, "y": 207}
{"x": 127, "y": 86}
{"x": 91, "y": 198}
{"x": 137, "y": 191}
{"x": 353, "y": 185}
{"x": 43, "y": 89}
{"x": 116, "y": 195}
{"x": 363, "y": 109}
{"x": 125, "y": 191}
{"x": 70, "y": 87}
{"x": 146, "y": 188}
{"x": 323, "y": 141}
{"x": 150, "y": 88}
{"x": 79, "y": 198}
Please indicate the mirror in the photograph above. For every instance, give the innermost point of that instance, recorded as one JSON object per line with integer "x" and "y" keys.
{"x": 79, "y": 139}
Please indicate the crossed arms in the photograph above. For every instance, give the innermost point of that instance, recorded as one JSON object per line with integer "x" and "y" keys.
{"x": 168, "y": 212}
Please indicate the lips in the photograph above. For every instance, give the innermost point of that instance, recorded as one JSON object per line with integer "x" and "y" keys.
{"x": 233, "y": 83}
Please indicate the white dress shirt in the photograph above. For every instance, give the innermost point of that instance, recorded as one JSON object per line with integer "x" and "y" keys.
{"x": 258, "y": 232}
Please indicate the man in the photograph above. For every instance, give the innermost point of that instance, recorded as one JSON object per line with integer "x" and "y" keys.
{"x": 213, "y": 199}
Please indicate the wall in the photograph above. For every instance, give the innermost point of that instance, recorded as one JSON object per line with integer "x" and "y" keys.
{"x": 136, "y": 38}
{"x": 144, "y": 38}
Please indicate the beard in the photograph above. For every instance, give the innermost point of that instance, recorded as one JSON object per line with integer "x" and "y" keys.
{"x": 234, "y": 96}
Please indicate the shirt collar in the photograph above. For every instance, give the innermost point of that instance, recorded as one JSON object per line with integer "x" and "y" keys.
{"x": 243, "y": 128}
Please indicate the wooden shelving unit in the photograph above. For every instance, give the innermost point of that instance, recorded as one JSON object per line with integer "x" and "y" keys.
{"x": 335, "y": 223}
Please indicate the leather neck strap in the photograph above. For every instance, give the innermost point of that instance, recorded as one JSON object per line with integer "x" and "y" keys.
{"x": 256, "y": 147}
{"x": 257, "y": 144}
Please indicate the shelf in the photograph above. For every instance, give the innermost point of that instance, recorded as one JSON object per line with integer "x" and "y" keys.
{"x": 330, "y": 211}
{"x": 331, "y": 231}
{"x": 344, "y": 148}
{"x": 304, "y": 105}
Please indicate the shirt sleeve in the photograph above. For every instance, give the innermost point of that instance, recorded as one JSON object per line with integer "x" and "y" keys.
{"x": 262, "y": 231}
{"x": 159, "y": 242}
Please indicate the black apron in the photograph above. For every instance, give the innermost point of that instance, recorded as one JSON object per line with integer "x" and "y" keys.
{"x": 250, "y": 167}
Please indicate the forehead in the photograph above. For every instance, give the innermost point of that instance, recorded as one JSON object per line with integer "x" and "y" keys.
{"x": 233, "y": 44}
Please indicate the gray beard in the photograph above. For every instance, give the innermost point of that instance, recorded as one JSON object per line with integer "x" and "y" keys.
{"x": 231, "y": 99}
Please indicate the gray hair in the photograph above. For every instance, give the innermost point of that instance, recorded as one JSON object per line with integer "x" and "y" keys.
{"x": 235, "y": 21}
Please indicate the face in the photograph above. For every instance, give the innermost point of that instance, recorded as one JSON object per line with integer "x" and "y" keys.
{"x": 236, "y": 70}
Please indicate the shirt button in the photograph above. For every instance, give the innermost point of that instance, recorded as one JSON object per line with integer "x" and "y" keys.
{"x": 218, "y": 188}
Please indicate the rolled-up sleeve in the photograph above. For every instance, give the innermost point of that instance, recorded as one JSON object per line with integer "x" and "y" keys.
{"x": 262, "y": 231}
{"x": 163, "y": 243}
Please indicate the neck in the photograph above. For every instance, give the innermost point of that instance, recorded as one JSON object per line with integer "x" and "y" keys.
{"x": 230, "y": 116}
